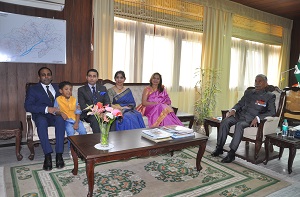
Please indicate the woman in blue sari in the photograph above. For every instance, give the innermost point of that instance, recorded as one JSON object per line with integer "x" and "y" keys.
{"x": 122, "y": 98}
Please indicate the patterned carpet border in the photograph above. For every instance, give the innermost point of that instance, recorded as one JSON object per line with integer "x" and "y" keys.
{"x": 170, "y": 176}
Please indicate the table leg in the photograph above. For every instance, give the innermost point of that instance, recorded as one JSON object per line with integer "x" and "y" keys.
{"x": 191, "y": 122}
{"x": 206, "y": 128}
{"x": 18, "y": 145}
{"x": 266, "y": 150}
{"x": 200, "y": 155}
{"x": 280, "y": 152}
{"x": 292, "y": 154}
{"x": 90, "y": 176}
{"x": 75, "y": 161}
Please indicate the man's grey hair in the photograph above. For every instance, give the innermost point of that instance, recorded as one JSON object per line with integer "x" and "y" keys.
{"x": 264, "y": 77}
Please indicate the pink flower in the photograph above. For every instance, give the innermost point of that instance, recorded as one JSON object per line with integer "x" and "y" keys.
{"x": 103, "y": 114}
{"x": 105, "y": 119}
{"x": 110, "y": 109}
{"x": 117, "y": 112}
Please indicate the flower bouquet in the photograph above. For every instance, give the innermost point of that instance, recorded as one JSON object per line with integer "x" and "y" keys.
{"x": 105, "y": 116}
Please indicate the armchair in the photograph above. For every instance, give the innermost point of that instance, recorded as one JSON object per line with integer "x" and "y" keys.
{"x": 268, "y": 125}
{"x": 291, "y": 109}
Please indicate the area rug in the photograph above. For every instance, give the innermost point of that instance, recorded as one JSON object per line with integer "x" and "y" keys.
{"x": 163, "y": 175}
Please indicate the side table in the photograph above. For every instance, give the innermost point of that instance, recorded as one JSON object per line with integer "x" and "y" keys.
{"x": 183, "y": 117}
{"x": 282, "y": 142}
{"x": 10, "y": 129}
{"x": 213, "y": 122}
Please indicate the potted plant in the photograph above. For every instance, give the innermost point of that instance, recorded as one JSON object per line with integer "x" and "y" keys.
{"x": 206, "y": 89}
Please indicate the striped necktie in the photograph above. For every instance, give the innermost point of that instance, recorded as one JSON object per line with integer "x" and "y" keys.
{"x": 51, "y": 97}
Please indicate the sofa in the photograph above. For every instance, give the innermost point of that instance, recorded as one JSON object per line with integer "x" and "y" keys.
{"x": 137, "y": 91}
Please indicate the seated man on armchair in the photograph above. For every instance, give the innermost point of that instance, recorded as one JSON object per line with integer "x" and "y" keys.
{"x": 255, "y": 105}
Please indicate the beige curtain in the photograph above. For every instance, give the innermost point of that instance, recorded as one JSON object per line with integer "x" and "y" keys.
{"x": 216, "y": 49}
{"x": 220, "y": 22}
{"x": 284, "y": 58}
{"x": 103, "y": 37}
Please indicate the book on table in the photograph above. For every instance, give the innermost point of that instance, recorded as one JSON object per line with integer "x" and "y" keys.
{"x": 178, "y": 131}
{"x": 156, "y": 135}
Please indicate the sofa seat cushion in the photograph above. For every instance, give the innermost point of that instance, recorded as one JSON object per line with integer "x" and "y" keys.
{"x": 51, "y": 131}
{"x": 146, "y": 121}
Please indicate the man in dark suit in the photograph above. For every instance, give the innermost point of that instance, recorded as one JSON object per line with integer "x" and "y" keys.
{"x": 255, "y": 105}
{"x": 39, "y": 101}
{"x": 90, "y": 94}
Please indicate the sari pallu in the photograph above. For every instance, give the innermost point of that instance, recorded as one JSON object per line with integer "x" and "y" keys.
{"x": 160, "y": 114}
{"x": 132, "y": 119}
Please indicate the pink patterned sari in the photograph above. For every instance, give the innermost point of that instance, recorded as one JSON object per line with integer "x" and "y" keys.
{"x": 160, "y": 114}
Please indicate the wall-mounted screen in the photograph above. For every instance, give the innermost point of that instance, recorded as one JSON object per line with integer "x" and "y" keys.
{"x": 29, "y": 39}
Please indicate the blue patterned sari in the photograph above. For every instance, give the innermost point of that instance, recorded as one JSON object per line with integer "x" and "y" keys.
{"x": 132, "y": 119}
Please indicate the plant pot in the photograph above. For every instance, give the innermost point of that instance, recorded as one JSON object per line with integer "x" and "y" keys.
{"x": 200, "y": 129}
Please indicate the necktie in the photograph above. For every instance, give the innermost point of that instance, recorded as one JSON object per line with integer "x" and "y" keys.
{"x": 51, "y": 97}
{"x": 94, "y": 95}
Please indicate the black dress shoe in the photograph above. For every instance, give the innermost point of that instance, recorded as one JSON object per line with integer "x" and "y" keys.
{"x": 47, "y": 162}
{"x": 59, "y": 161}
{"x": 229, "y": 158}
{"x": 217, "y": 152}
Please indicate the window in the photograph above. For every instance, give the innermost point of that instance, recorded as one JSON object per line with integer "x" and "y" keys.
{"x": 191, "y": 49}
{"x": 251, "y": 58}
{"x": 140, "y": 49}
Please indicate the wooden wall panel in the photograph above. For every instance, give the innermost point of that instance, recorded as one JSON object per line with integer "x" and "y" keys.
{"x": 14, "y": 76}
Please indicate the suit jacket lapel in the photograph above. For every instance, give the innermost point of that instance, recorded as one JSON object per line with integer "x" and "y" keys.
{"x": 98, "y": 92}
{"x": 42, "y": 90}
{"x": 89, "y": 93}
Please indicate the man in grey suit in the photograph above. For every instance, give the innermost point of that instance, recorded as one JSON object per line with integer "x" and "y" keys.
{"x": 90, "y": 94}
{"x": 255, "y": 105}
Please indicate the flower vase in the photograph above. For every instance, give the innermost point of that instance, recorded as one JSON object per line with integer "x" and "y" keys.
{"x": 104, "y": 134}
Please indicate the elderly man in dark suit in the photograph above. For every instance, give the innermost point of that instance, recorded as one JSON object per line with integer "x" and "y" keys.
{"x": 254, "y": 106}
{"x": 90, "y": 94}
{"x": 39, "y": 101}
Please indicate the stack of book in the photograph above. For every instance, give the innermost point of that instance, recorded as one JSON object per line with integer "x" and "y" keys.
{"x": 156, "y": 135}
{"x": 179, "y": 131}
{"x": 166, "y": 133}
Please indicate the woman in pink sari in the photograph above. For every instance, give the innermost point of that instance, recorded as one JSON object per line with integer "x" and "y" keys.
{"x": 157, "y": 104}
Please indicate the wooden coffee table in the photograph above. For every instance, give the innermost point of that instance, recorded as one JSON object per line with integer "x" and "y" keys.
{"x": 127, "y": 144}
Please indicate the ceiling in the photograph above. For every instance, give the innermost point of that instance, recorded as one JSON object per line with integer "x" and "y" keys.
{"x": 285, "y": 8}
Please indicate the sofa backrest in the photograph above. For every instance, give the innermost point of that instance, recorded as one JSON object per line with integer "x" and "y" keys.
{"x": 136, "y": 88}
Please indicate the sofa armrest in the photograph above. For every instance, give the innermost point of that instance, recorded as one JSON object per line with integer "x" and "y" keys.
{"x": 270, "y": 125}
{"x": 267, "y": 126}
{"x": 29, "y": 133}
